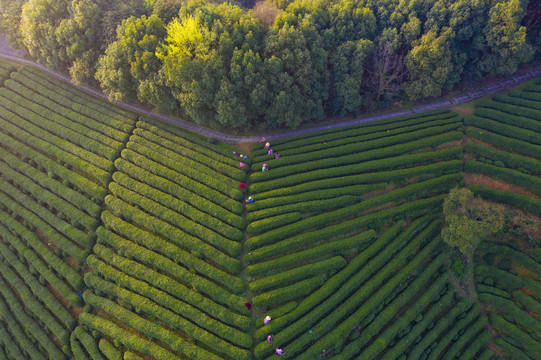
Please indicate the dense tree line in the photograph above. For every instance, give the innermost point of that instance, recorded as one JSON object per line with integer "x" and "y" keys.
{"x": 280, "y": 63}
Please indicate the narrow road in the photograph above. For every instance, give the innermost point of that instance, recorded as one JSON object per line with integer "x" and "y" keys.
{"x": 17, "y": 55}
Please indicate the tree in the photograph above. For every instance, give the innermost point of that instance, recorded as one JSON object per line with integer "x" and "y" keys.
{"x": 210, "y": 58}
{"x": 429, "y": 66}
{"x": 468, "y": 219}
{"x": 82, "y": 36}
{"x": 39, "y": 21}
{"x": 266, "y": 12}
{"x": 296, "y": 71}
{"x": 167, "y": 9}
{"x": 131, "y": 60}
{"x": 506, "y": 39}
{"x": 10, "y": 21}
{"x": 385, "y": 73}
{"x": 348, "y": 67}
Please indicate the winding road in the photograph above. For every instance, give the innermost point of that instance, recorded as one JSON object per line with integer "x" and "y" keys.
{"x": 18, "y": 55}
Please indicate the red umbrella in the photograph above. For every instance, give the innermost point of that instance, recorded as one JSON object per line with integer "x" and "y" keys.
{"x": 242, "y": 186}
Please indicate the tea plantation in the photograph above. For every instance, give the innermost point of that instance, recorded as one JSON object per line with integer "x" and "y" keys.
{"x": 122, "y": 237}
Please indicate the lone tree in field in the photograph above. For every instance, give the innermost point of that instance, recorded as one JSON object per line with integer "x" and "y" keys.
{"x": 468, "y": 219}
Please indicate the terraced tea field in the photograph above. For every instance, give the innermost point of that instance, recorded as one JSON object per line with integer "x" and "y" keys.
{"x": 504, "y": 151}
{"x": 126, "y": 238}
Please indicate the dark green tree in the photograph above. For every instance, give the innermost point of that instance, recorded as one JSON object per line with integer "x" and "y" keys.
{"x": 506, "y": 38}
{"x": 297, "y": 75}
{"x": 167, "y": 9}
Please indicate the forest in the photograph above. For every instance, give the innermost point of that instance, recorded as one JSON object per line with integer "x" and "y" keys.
{"x": 275, "y": 63}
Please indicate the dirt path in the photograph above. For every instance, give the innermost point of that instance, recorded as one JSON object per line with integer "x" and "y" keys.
{"x": 17, "y": 55}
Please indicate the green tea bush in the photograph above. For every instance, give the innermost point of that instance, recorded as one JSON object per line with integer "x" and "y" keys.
{"x": 351, "y": 155}
{"x": 126, "y": 338}
{"x": 73, "y": 94}
{"x": 172, "y": 188}
{"x": 347, "y": 175}
{"x": 38, "y": 290}
{"x": 517, "y": 256}
{"x": 342, "y": 319}
{"x": 528, "y": 302}
{"x": 481, "y": 288}
{"x": 72, "y": 196}
{"x": 310, "y": 206}
{"x": 338, "y": 281}
{"x": 77, "y": 349}
{"x": 11, "y": 347}
{"x": 504, "y": 280}
{"x": 31, "y": 327}
{"x": 402, "y": 322}
{"x": 105, "y": 124}
{"x": 177, "y": 247}
{"x": 319, "y": 142}
{"x": 148, "y": 328}
{"x": 173, "y": 234}
{"x": 479, "y": 341}
{"x": 33, "y": 305}
{"x": 531, "y": 137}
{"x": 188, "y": 139}
{"x": 523, "y": 202}
{"x": 514, "y": 177}
{"x": 300, "y": 273}
{"x": 273, "y": 222}
{"x": 199, "y": 232}
{"x": 454, "y": 331}
{"x": 31, "y": 217}
{"x": 432, "y": 335}
{"x": 88, "y": 149}
{"x": 185, "y": 167}
{"x": 505, "y": 118}
{"x": 425, "y": 188}
{"x": 509, "y": 308}
{"x": 287, "y": 293}
{"x": 338, "y": 133}
{"x": 109, "y": 351}
{"x": 64, "y": 117}
{"x": 358, "y": 241}
{"x": 153, "y": 309}
{"x": 191, "y": 313}
{"x": 193, "y": 186}
{"x": 336, "y": 190}
{"x": 82, "y": 182}
{"x": 146, "y": 248}
{"x": 528, "y": 345}
{"x": 510, "y": 350}
{"x": 88, "y": 342}
{"x": 181, "y": 207}
{"x": 50, "y": 259}
{"x": 74, "y": 156}
{"x": 504, "y": 142}
{"x": 209, "y": 162}
{"x": 510, "y": 160}
{"x": 523, "y": 107}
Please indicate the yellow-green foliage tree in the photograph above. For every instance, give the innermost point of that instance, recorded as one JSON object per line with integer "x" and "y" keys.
{"x": 468, "y": 219}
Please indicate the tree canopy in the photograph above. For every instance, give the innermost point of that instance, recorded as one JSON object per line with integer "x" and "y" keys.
{"x": 468, "y": 219}
{"x": 282, "y": 63}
